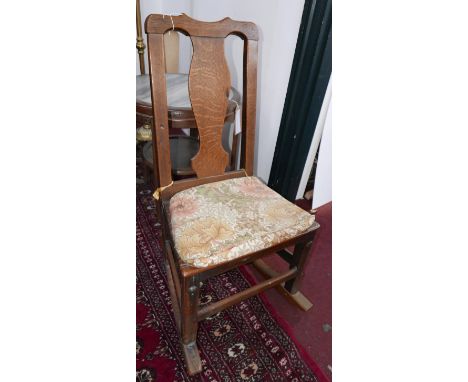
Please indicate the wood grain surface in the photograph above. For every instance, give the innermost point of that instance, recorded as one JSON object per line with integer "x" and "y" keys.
{"x": 209, "y": 83}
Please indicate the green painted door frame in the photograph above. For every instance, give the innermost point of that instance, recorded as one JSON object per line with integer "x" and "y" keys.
{"x": 308, "y": 83}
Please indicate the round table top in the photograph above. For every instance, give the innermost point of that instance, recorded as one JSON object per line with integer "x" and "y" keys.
{"x": 177, "y": 91}
{"x": 183, "y": 149}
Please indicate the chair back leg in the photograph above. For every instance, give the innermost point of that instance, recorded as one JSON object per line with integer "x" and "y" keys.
{"x": 301, "y": 251}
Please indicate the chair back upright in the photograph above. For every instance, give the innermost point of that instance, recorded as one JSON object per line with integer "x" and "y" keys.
{"x": 209, "y": 84}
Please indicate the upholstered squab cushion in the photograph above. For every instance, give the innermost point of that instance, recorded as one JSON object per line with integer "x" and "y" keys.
{"x": 220, "y": 221}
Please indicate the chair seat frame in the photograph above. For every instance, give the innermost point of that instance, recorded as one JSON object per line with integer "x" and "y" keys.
{"x": 209, "y": 164}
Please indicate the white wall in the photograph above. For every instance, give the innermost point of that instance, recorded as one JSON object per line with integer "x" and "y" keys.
{"x": 323, "y": 177}
{"x": 278, "y": 22}
{"x": 170, "y": 8}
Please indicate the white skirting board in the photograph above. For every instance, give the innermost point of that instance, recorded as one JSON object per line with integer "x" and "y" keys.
{"x": 315, "y": 142}
{"x": 323, "y": 176}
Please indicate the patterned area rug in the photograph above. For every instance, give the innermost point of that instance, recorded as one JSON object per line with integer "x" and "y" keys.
{"x": 247, "y": 342}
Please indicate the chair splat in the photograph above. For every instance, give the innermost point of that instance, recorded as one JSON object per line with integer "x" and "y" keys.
{"x": 209, "y": 84}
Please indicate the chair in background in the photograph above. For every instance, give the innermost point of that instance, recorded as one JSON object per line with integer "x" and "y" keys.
{"x": 219, "y": 220}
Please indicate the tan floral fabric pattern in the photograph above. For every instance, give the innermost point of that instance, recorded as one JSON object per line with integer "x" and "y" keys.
{"x": 220, "y": 221}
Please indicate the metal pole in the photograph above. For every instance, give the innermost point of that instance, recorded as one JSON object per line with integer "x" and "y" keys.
{"x": 140, "y": 45}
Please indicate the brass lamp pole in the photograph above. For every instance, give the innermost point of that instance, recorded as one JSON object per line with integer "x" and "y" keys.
{"x": 143, "y": 133}
{"x": 140, "y": 45}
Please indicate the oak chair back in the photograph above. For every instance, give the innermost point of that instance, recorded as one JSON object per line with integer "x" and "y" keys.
{"x": 209, "y": 84}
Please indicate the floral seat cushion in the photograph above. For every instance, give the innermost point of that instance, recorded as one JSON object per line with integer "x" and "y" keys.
{"x": 220, "y": 221}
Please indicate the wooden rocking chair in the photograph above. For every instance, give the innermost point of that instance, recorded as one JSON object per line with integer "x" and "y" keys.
{"x": 219, "y": 220}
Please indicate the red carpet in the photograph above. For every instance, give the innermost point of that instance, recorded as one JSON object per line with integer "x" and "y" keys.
{"x": 312, "y": 328}
{"x": 247, "y": 342}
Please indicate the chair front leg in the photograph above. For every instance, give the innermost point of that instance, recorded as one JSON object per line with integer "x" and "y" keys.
{"x": 301, "y": 250}
{"x": 190, "y": 296}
